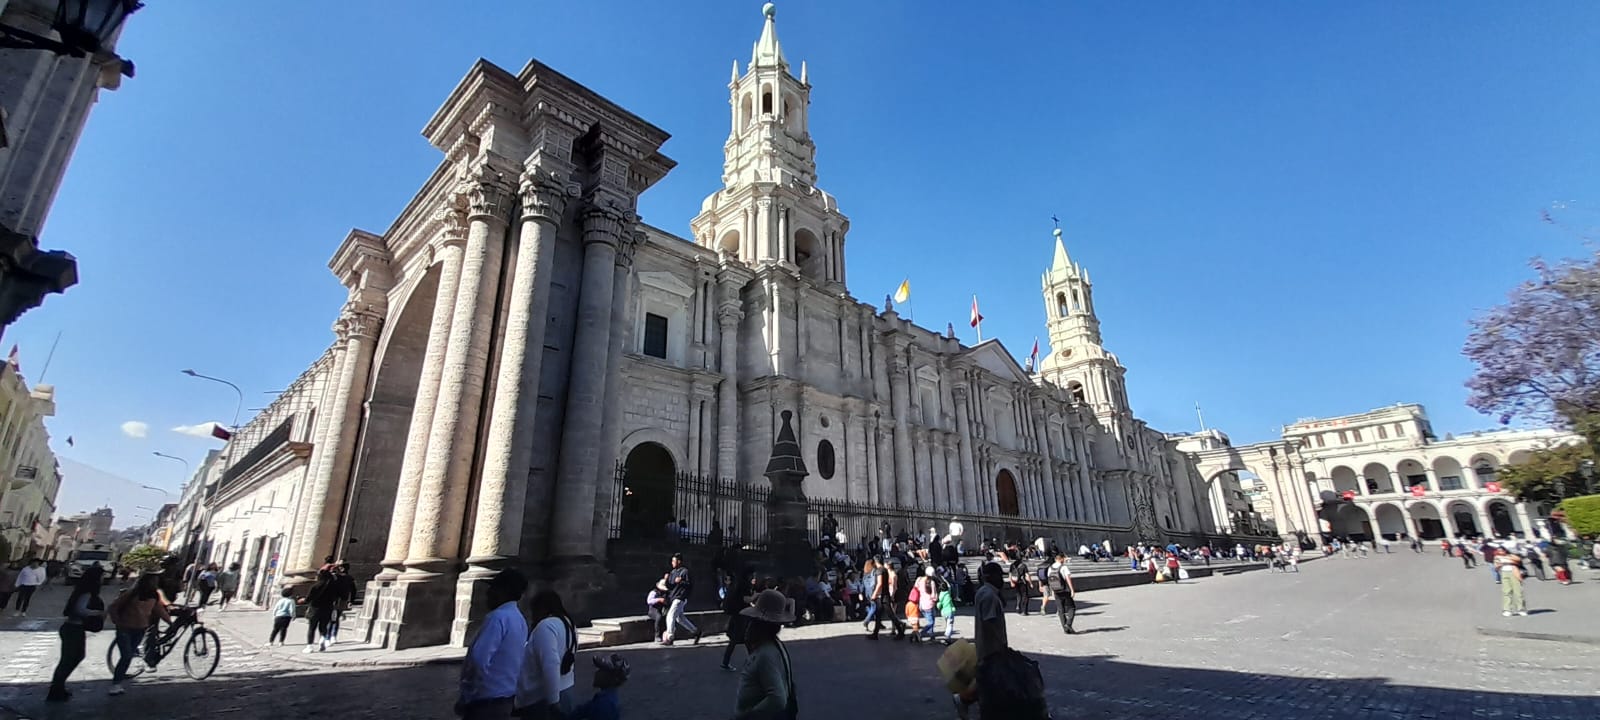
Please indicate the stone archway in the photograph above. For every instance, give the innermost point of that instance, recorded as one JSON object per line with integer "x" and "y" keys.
{"x": 648, "y": 490}
{"x": 1350, "y": 521}
{"x": 1501, "y": 521}
{"x": 1462, "y": 518}
{"x": 1430, "y": 524}
{"x": 380, "y": 451}
{"x": 1388, "y": 521}
{"x": 1005, "y": 488}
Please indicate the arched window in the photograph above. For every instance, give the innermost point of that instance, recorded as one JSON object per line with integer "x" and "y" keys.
{"x": 1005, "y": 488}
{"x": 1076, "y": 389}
{"x": 766, "y": 101}
{"x": 1077, "y": 303}
{"x": 1061, "y": 304}
{"x": 746, "y": 111}
{"x": 825, "y": 460}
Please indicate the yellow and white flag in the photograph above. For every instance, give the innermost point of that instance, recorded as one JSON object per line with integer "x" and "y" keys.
{"x": 903, "y": 294}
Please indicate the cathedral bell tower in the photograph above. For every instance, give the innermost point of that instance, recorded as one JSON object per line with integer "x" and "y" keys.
{"x": 769, "y": 209}
{"x": 1077, "y": 360}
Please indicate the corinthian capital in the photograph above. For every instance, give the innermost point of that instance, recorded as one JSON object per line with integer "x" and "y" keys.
{"x": 358, "y": 320}
{"x": 729, "y": 316}
{"x": 452, "y": 221}
{"x": 608, "y": 218}
{"x": 488, "y": 195}
{"x": 544, "y": 194}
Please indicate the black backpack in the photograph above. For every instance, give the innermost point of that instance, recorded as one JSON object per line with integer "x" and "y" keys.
{"x": 1010, "y": 686}
{"x": 1057, "y": 584}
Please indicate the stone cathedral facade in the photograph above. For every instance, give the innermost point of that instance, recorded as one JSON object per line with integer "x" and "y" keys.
{"x": 518, "y": 333}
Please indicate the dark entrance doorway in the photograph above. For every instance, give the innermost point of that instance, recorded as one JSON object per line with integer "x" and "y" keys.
{"x": 649, "y": 481}
{"x": 1005, "y": 488}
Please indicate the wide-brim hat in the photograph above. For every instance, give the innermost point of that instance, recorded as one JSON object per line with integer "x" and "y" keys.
{"x": 770, "y": 606}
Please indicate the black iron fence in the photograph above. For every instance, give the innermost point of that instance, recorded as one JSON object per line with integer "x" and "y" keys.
{"x": 687, "y": 506}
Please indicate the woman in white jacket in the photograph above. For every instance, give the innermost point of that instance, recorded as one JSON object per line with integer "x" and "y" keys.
{"x": 544, "y": 689}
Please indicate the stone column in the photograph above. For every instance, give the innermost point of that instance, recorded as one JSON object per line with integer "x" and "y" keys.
{"x": 905, "y": 488}
{"x": 448, "y": 254}
{"x": 1527, "y": 520}
{"x": 1051, "y": 490}
{"x": 298, "y": 562}
{"x": 1411, "y": 523}
{"x": 603, "y": 224}
{"x": 441, "y": 499}
{"x": 969, "y": 477}
{"x": 436, "y": 532}
{"x": 508, "y": 452}
{"x": 728, "y": 317}
{"x": 611, "y": 433}
{"x": 941, "y": 479}
{"x": 1485, "y": 521}
{"x": 357, "y": 329}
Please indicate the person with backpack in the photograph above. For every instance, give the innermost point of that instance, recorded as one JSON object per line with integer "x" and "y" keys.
{"x": 947, "y": 605}
{"x": 208, "y": 583}
{"x": 85, "y": 613}
{"x": 544, "y": 688}
{"x": 1020, "y": 581}
{"x": 1042, "y": 581}
{"x": 1172, "y": 567}
{"x": 1060, "y": 584}
{"x": 766, "y": 686}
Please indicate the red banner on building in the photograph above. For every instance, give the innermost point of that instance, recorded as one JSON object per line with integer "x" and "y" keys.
{"x": 1418, "y": 491}
{"x": 1492, "y": 486}
{"x": 1349, "y": 494}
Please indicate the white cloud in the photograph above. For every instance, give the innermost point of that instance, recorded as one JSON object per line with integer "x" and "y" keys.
{"x": 200, "y": 430}
{"x": 136, "y": 429}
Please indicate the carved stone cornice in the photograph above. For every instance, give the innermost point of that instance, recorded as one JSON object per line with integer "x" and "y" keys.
{"x": 729, "y": 315}
{"x": 603, "y": 225}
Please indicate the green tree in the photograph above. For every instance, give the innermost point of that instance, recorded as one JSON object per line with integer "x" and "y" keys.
{"x": 1582, "y": 513}
{"x": 144, "y": 558}
{"x": 1551, "y": 474}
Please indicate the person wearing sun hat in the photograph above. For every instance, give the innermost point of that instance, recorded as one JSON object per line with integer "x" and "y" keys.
{"x": 766, "y": 687}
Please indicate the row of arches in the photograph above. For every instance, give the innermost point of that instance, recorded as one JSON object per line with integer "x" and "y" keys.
{"x": 811, "y": 254}
{"x": 1443, "y": 473}
{"x": 1453, "y": 518}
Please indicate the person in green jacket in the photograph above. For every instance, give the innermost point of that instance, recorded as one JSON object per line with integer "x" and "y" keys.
{"x": 766, "y": 687}
{"x": 947, "y": 610}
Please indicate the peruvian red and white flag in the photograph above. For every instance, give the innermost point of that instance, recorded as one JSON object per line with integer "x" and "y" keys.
{"x": 1033, "y": 357}
{"x": 977, "y": 317}
{"x": 1492, "y": 486}
{"x": 221, "y": 433}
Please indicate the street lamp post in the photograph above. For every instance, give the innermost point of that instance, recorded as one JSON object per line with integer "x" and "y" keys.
{"x": 227, "y": 449}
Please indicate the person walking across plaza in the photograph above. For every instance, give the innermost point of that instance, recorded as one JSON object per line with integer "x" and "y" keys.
{"x": 8, "y": 583}
{"x": 228, "y": 585}
{"x": 988, "y": 628}
{"x": 1512, "y": 601}
{"x": 1173, "y": 567}
{"x": 344, "y": 595}
{"x": 28, "y": 581}
{"x": 320, "y": 601}
{"x": 678, "y": 586}
{"x": 85, "y": 613}
{"x": 1061, "y": 588}
{"x": 1020, "y": 581}
{"x": 733, "y": 604}
{"x": 766, "y": 686}
{"x": 136, "y": 610}
{"x": 493, "y": 664}
{"x": 544, "y": 688}
{"x": 927, "y": 592}
{"x": 282, "y": 615}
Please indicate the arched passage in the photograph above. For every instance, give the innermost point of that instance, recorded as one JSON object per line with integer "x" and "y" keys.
{"x": 1485, "y": 468}
{"x": 1344, "y": 480}
{"x": 648, "y": 489}
{"x": 1388, "y": 521}
{"x": 370, "y": 505}
{"x": 1501, "y": 521}
{"x": 1005, "y": 488}
{"x": 809, "y": 255}
{"x": 1350, "y": 521}
{"x": 1412, "y": 473}
{"x": 1377, "y": 479}
{"x": 1429, "y": 525}
{"x": 1448, "y": 470}
{"x": 1463, "y": 521}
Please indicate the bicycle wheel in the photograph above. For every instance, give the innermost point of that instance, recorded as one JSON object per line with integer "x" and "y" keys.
{"x": 201, "y": 654}
{"x": 113, "y": 654}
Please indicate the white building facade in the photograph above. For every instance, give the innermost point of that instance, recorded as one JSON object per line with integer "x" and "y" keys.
{"x": 524, "y": 373}
{"x": 1385, "y": 473}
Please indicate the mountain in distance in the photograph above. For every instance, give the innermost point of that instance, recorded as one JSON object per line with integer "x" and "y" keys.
{"x": 85, "y": 488}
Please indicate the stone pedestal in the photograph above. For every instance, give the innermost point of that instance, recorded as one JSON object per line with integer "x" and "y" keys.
{"x": 415, "y": 609}
{"x": 787, "y": 505}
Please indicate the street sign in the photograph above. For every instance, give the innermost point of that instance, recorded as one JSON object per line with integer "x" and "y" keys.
{"x": 1349, "y": 494}
{"x": 1418, "y": 491}
{"x": 1492, "y": 486}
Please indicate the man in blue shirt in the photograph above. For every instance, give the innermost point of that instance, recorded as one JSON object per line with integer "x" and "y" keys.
{"x": 493, "y": 663}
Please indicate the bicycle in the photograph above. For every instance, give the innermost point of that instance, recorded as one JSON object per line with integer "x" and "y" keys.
{"x": 201, "y": 653}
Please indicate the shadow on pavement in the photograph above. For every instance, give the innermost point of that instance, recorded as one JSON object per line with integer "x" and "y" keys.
{"x": 897, "y": 680}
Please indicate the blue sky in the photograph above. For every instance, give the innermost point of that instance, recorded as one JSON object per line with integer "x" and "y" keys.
{"x": 1288, "y": 209}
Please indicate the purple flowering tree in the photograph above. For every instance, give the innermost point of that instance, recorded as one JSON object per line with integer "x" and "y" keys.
{"x": 1538, "y": 355}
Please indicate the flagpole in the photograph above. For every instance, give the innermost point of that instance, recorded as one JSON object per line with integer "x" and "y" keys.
{"x": 49, "y": 357}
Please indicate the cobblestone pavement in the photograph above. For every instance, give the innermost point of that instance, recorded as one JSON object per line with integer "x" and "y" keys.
{"x": 1383, "y": 637}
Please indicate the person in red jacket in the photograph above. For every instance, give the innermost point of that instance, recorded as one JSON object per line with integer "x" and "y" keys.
{"x": 1172, "y": 567}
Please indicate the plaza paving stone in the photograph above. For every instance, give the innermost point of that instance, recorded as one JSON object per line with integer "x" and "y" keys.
{"x": 1385, "y": 637}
